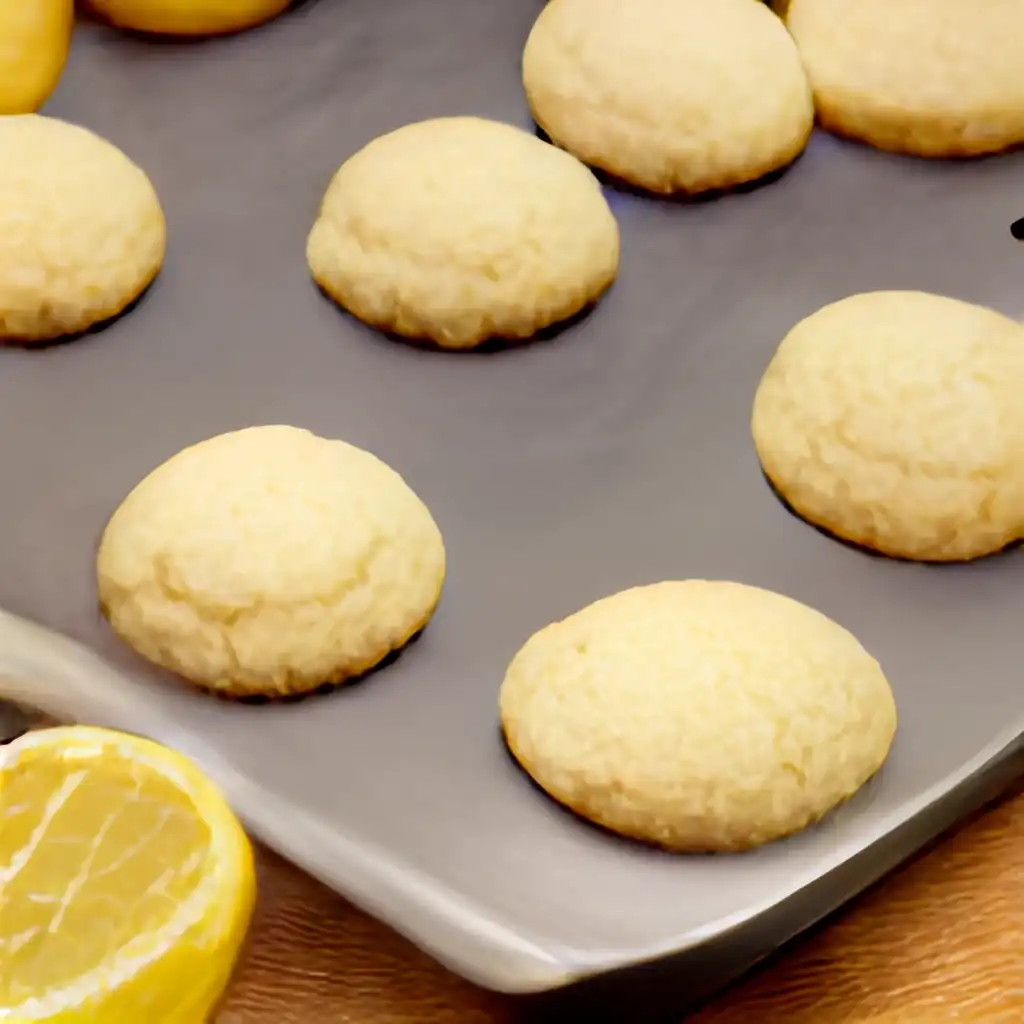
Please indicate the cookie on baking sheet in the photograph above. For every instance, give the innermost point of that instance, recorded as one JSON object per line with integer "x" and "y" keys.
{"x": 698, "y": 715}
{"x": 459, "y": 230}
{"x": 81, "y": 230}
{"x": 270, "y": 561}
{"x": 669, "y": 95}
{"x": 894, "y": 420}
{"x": 933, "y": 78}
{"x": 188, "y": 17}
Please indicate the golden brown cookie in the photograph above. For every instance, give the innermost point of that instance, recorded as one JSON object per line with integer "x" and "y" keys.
{"x": 82, "y": 232}
{"x": 270, "y": 561}
{"x": 461, "y": 230}
{"x": 669, "y": 95}
{"x": 933, "y": 78}
{"x": 894, "y": 420}
{"x": 697, "y": 715}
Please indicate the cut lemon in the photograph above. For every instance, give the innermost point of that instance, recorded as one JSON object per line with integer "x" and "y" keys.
{"x": 126, "y": 883}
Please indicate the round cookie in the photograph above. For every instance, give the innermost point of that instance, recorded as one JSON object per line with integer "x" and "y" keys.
{"x": 894, "y": 420}
{"x": 459, "y": 230}
{"x": 270, "y": 561}
{"x": 943, "y": 78}
{"x": 188, "y": 17}
{"x": 699, "y": 716}
{"x": 669, "y": 95}
{"x": 81, "y": 230}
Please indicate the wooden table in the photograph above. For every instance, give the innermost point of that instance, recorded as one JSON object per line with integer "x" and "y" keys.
{"x": 942, "y": 940}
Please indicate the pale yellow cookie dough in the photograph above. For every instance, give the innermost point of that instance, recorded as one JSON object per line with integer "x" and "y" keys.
{"x": 270, "y": 561}
{"x": 699, "y": 716}
{"x": 81, "y": 229}
{"x": 895, "y": 420}
{"x": 459, "y": 230}
{"x": 669, "y": 95}
{"x": 933, "y": 78}
{"x": 188, "y": 17}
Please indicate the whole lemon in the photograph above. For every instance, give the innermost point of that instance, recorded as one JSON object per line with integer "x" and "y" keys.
{"x": 34, "y": 41}
{"x": 187, "y": 17}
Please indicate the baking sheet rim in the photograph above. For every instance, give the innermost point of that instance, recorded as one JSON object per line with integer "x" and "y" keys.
{"x": 64, "y": 679}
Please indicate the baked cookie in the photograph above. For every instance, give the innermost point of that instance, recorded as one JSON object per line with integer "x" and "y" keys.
{"x": 894, "y": 420}
{"x": 669, "y": 95}
{"x": 459, "y": 230}
{"x": 188, "y": 17}
{"x": 269, "y": 562}
{"x": 699, "y": 716}
{"x": 933, "y": 78}
{"x": 81, "y": 230}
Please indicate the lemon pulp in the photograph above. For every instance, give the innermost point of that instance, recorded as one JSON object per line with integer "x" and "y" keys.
{"x": 126, "y": 885}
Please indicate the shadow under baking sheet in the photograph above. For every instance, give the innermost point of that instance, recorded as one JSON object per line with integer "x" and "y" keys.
{"x": 668, "y": 990}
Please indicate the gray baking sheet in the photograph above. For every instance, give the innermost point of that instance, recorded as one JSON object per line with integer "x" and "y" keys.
{"x": 614, "y": 454}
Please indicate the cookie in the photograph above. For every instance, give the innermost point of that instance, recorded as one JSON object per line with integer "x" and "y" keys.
{"x": 81, "y": 230}
{"x": 669, "y": 95}
{"x": 269, "y": 562}
{"x": 699, "y": 716}
{"x": 894, "y": 420}
{"x": 188, "y": 17}
{"x": 460, "y": 230}
{"x": 943, "y": 78}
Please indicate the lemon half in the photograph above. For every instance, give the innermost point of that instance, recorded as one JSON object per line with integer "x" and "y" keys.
{"x": 126, "y": 883}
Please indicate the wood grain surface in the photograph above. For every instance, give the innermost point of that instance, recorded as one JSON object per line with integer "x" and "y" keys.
{"x": 941, "y": 940}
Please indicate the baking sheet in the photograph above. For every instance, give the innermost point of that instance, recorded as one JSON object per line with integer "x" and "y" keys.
{"x": 617, "y": 453}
